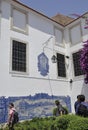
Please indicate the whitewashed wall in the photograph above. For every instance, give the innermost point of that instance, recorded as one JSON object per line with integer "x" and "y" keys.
{"x": 78, "y": 86}
{"x": 39, "y": 30}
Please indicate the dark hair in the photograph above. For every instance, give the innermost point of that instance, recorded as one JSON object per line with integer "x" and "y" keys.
{"x": 57, "y": 102}
{"x": 82, "y": 98}
{"x": 11, "y": 104}
{"x": 78, "y": 96}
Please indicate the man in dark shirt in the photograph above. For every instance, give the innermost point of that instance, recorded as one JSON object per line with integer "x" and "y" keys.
{"x": 76, "y": 104}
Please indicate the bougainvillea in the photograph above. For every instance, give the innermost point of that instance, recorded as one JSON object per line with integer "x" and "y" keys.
{"x": 84, "y": 61}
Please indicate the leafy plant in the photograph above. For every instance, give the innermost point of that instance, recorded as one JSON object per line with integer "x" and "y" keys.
{"x": 64, "y": 122}
{"x": 84, "y": 60}
{"x": 78, "y": 124}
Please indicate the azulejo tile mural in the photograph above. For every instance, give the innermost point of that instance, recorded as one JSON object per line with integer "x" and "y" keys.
{"x": 28, "y": 107}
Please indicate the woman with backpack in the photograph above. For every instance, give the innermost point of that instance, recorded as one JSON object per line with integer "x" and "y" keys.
{"x": 11, "y": 116}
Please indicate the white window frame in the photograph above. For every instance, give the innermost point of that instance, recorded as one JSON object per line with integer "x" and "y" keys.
{"x": 27, "y": 54}
{"x": 24, "y": 31}
{"x": 61, "y": 30}
{"x": 77, "y": 24}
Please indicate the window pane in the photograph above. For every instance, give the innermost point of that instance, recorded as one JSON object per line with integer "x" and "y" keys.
{"x": 19, "y": 56}
{"x": 76, "y": 61}
{"x": 17, "y": 17}
{"x": 75, "y": 37}
{"x": 61, "y": 65}
{"x": 58, "y": 36}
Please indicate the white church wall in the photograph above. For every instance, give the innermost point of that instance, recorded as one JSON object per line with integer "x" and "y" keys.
{"x": 77, "y": 86}
{"x": 39, "y": 31}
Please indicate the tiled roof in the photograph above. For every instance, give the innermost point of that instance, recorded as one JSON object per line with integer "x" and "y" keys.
{"x": 62, "y": 19}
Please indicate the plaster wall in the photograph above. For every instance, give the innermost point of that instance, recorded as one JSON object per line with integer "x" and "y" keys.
{"x": 40, "y": 30}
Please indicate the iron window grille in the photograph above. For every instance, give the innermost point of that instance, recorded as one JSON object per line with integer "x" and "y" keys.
{"x": 76, "y": 62}
{"x": 18, "y": 56}
{"x": 61, "y": 65}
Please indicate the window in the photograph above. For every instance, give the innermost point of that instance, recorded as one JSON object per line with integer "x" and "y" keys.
{"x": 76, "y": 61}
{"x": 76, "y": 34}
{"x": 19, "y": 20}
{"x": 18, "y": 56}
{"x": 58, "y": 37}
{"x": 61, "y": 65}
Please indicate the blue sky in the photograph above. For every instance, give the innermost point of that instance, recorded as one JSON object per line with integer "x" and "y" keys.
{"x": 52, "y": 7}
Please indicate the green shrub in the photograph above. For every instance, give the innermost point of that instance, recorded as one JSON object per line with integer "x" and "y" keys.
{"x": 55, "y": 111}
{"x": 78, "y": 124}
{"x": 66, "y": 110}
{"x": 64, "y": 122}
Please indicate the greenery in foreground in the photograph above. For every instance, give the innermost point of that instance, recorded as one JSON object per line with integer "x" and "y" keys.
{"x": 65, "y": 122}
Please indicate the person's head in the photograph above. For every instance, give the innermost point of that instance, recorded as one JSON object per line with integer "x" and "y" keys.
{"x": 78, "y": 97}
{"x": 57, "y": 102}
{"x": 11, "y": 105}
{"x": 82, "y": 98}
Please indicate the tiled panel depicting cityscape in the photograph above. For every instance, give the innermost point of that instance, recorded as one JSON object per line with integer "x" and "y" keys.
{"x": 28, "y": 107}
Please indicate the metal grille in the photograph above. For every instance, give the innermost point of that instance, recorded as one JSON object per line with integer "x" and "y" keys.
{"x": 76, "y": 62}
{"x": 61, "y": 65}
{"x": 18, "y": 56}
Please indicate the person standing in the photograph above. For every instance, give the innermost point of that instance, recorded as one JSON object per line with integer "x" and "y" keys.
{"x": 10, "y": 116}
{"x": 77, "y": 102}
{"x": 59, "y": 108}
{"x": 82, "y": 109}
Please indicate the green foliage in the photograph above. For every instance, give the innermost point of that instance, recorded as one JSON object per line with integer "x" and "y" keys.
{"x": 64, "y": 122}
{"x": 54, "y": 111}
{"x": 65, "y": 109}
{"x": 78, "y": 124}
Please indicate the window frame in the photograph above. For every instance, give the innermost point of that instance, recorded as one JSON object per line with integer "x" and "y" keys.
{"x": 64, "y": 66}
{"x": 27, "y": 54}
{"x": 24, "y": 31}
{"x": 70, "y": 38}
{"x": 62, "y": 31}
{"x": 79, "y": 76}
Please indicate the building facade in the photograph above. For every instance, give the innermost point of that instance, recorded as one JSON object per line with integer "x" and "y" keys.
{"x": 28, "y": 40}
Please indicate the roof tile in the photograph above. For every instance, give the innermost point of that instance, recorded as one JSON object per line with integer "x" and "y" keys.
{"x": 62, "y": 19}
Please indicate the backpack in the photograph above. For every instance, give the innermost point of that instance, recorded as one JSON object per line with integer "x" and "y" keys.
{"x": 15, "y": 117}
{"x": 83, "y": 110}
{"x": 64, "y": 111}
